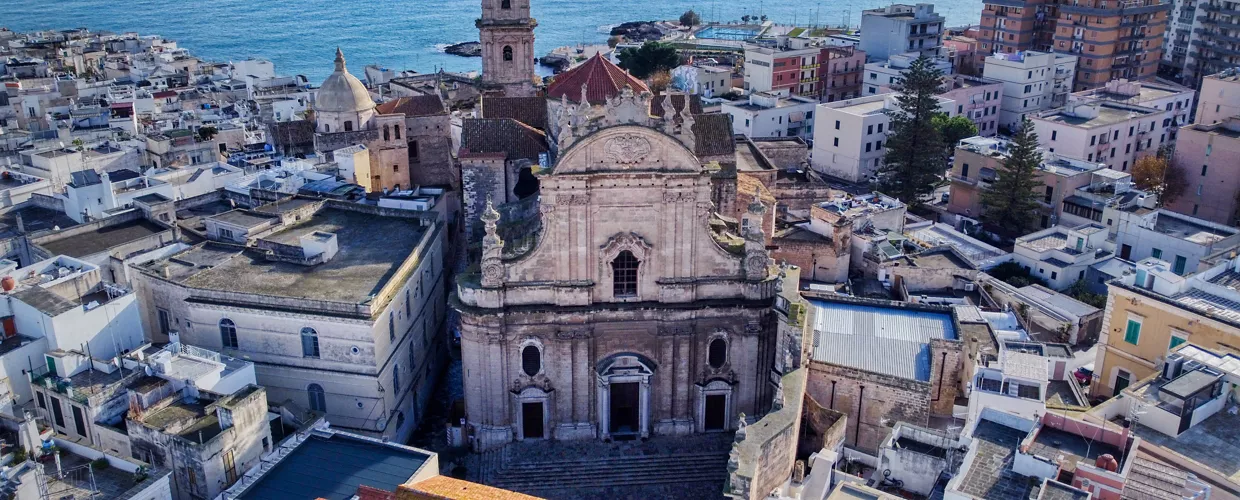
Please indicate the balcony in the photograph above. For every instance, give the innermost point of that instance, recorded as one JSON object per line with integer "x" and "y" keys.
{"x": 1209, "y": 21}
{"x": 809, "y": 66}
{"x": 1210, "y": 7}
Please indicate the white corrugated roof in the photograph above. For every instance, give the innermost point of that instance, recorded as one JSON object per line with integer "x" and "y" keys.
{"x": 880, "y": 339}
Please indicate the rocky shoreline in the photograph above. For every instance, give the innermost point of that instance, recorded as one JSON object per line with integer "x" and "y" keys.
{"x": 638, "y": 31}
{"x": 465, "y": 49}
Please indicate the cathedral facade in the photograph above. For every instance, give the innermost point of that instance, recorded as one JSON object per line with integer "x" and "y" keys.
{"x": 631, "y": 309}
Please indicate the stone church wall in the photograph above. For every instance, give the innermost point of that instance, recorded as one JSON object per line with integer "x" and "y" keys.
{"x": 819, "y": 257}
{"x": 871, "y": 401}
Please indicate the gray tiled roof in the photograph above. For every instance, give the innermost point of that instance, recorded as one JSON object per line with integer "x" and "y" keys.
{"x": 990, "y": 475}
{"x": 879, "y": 339}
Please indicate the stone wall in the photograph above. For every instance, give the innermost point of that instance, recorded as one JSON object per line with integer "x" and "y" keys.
{"x": 822, "y": 428}
{"x": 946, "y": 369}
{"x": 873, "y": 402}
{"x": 799, "y": 196}
{"x": 481, "y": 178}
{"x": 818, "y": 257}
{"x": 430, "y": 151}
{"x": 764, "y": 453}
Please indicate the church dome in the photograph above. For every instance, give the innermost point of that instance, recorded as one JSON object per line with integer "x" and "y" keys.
{"x": 342, "y": 92}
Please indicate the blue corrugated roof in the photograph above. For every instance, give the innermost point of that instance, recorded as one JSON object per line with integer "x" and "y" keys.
{"x": 879, "y": 339}
{"x": 333, "y": 468}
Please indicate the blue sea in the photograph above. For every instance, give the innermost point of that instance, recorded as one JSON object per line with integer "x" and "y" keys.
{"x": 300, "y": 36}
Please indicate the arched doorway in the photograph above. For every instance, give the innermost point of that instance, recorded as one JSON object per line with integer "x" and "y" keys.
{"x": 624, "y": 396}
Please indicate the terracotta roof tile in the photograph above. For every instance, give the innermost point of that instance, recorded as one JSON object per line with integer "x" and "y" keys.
{"x": 531, "y": 111}
{"x": 504, "y": 135}
{"x": 367, "y": 493}
{"x": 712, "y": 134}
{"x": 602, "y": 79}
{"x": 291, "y": 133}
{"x": 448, "y": 488}
{"x": 422, "y": 105}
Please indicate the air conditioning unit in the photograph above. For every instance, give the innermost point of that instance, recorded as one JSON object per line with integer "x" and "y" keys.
{"x": 1173, "y": 367}
{"x": 969, "y": 287}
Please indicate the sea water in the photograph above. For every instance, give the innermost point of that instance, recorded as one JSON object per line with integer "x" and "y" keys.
{"x": 300, "y": 36}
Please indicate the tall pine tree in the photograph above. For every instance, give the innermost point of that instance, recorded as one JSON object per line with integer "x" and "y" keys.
{"x": 1012, "y": 199}
{"x": 914, "y": 163}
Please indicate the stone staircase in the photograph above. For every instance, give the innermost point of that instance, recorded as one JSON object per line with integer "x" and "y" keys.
{"x": 687, "y": 467}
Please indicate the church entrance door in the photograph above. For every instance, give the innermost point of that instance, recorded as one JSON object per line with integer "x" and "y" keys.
{"x": 716, "y": 407}
{"x": 625, "y": 406}
{"x": 532, "y": 420}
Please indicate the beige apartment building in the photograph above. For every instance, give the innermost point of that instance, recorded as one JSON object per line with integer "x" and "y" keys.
{"x": 1154, "y": 310}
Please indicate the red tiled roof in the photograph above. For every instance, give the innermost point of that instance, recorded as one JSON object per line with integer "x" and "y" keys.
{"x": 505, "y": 136}
{"x": 602, "y": 79}
{"x": 368, "y": 493}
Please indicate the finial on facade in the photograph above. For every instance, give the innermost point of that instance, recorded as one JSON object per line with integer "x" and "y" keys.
{"x": 492, "y": 249}
{"x": 339, "y": 59}
{"x": 490, "y": 215}
{"x": 669, "y": 115}
{"x": 778, "y": 402}
{"x": 584, "y": 88}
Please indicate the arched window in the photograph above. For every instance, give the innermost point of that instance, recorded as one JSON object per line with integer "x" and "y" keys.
{"x": 624, "y": 274}
{"x": 717, "y": 353}
{"x": 327, "y": 128}
{"x": 348, "y": 126}
{"x": 407, "y": 303}
{"x": 396, "y": 128}
{"x": 413, "y": 354}
{"x": 387, "y": 133}
{"x": 396, "y": 377}
{"x": 318, "y": 399}
{"x": 531, "y": 360}
{"x": 507, "y": 52}
{"x": 309, "y": 343}
{"x": 391, "y": 325}
{"x": 228, "y": 333}
{"x": 505, "y": 4}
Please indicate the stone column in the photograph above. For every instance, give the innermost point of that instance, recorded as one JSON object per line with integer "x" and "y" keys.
{"x": 644, "y": 407}
{"x": 604, "y": 409}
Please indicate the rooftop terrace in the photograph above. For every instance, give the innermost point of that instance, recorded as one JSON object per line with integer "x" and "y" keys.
{"x": 371, "y": 249}
{"x": 101, "y": 239}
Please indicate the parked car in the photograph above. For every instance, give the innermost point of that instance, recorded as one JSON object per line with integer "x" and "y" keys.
{"x": 1083, "y": 375}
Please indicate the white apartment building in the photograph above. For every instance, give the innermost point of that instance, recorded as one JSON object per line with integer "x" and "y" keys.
{"x": 1181, "y": 240}
{"x": 849, "y": 135}
{"x": 770, "y": 115}
{"x": 898, "y": 28}
{"x": 881, "y": 76}
{"x": 1061, "y": 255}
{"x": 1219, "y": 97}
{"x": 1102, "y": 131}
{"x": 338, "y": 305}
{"x": 1032, "y": 82}
{"x": 1177, "y": 101}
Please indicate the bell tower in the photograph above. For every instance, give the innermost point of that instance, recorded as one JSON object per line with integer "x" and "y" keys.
{"x": 506, "y": 32}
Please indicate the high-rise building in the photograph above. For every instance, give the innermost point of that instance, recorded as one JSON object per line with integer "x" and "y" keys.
{"x": 1182, "y": 28}
{"x": 1113, "y": 39}
{"x": 506, "y": 31}
{"x": 1215, "y": 45}
{"x": 897, "y": 29}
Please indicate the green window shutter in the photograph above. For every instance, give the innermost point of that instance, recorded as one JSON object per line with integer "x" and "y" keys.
{"x": 1176, "y": 341}
{"x": 1133, "y": 334}
{"x": 1157, "y": 253}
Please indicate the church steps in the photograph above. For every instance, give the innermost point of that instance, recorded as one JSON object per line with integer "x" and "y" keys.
{"x": 704, "y": 466}
{"x": 617, "y": 479}
{"x": 676, "y": 459}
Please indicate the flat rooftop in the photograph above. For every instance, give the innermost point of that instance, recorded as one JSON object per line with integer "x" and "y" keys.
{"x": 940, "y": 259}
{"x": 1052, "y": 443}
{"x": 1212, "y": 443}
{"x": 371, "y": 249}
{"x": 889, "y": 340}
{"x": 241, "y": 218}
{"x": 202, "y": 425}
{"x": 99, "y": 240}
{"x": 333, "y": 467}
{"x": 1186, "y": 229}
{"x": 1107, "y": 115}
{"x": 864, "y": 108}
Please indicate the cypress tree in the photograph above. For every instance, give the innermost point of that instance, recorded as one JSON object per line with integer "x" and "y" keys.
{"x": 914, "y": 163}
{"x": 1012, "y": 199}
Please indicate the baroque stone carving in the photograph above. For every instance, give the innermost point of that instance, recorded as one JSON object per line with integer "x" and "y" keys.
{"x": 627, "y": 149}
{"x": 572, "y": 199}
{"x": 675, "y": 331}
{"x": 573, "y": 334}
{"x": 678, "y": 197}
